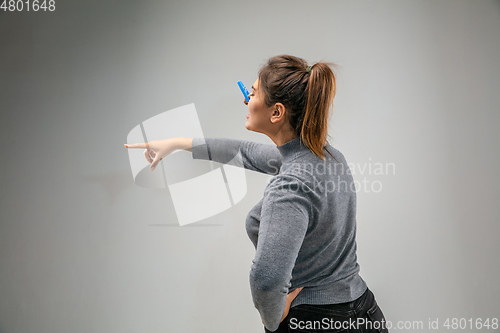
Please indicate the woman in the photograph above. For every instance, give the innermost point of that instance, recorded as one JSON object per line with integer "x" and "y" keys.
{"x": 304, "y": 277}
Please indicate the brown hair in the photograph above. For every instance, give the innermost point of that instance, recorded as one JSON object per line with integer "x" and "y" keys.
{"x": 306, "y": 95}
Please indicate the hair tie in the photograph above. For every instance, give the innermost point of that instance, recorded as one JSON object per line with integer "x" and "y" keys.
{"x": 309, "y": 68}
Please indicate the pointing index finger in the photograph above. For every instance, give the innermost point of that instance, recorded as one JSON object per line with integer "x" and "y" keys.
{"x": 137, "y": 145}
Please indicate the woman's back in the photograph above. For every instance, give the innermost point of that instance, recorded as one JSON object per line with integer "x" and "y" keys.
{"x": 304, "y": 227}
{"x": 326, "y": 262}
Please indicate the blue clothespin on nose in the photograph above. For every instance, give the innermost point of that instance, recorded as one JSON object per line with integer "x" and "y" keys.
{"x": 244, "y": 91}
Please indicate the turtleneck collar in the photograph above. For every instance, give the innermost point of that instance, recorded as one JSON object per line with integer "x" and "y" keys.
{"x": 290, "y": 149}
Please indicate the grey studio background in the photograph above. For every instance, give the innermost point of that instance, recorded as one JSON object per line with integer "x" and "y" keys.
{"x": 84, "y": 249}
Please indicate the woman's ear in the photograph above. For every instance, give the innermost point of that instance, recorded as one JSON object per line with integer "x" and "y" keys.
{"x": 279, "y": 112}
{"x": 280, "y": 108}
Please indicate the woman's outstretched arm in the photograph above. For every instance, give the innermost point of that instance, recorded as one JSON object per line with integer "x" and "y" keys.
{"x": 184, "y": 143}
{"x": 264, "y": 158}
{"x": 260, "y": 157}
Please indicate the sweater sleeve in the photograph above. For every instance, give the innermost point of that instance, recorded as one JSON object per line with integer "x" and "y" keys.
{"x": 284, "y": 222}
{"x": 264, "y": 158}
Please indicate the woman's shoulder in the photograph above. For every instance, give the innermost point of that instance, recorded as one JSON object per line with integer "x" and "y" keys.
{"x": 293, "y": 183}
{"x": 338, "y": 156}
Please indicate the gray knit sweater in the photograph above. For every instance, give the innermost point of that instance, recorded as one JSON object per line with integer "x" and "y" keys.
{"x": 303, "y": 229}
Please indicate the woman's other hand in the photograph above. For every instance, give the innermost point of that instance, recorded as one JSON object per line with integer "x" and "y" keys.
{"x": 289, "y": 298}
{"x": 156, "y": 150}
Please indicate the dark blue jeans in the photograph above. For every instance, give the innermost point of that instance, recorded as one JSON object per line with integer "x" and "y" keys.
{"x": 360, "y": 315}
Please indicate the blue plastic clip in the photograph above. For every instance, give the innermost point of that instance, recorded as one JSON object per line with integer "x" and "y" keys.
{"x": 244, "y": 91}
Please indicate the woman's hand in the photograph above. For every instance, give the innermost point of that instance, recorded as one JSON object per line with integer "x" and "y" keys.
{"x": 289, "y": 298}
{"x": 156, "y": 150}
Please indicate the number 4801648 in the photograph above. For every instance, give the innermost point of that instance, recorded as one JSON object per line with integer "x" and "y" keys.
{"x": 462, "y": 323}
{"x": 35, "y": 5}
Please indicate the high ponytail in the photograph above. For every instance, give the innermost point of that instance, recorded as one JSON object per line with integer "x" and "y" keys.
{"x": 306, "y": 93}
{"x": 320, "y": 92}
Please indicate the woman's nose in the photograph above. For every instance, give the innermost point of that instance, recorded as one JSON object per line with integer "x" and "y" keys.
{"x": 245, "y": 101}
